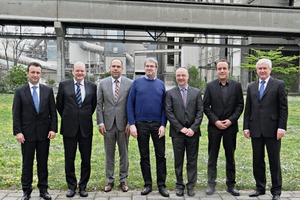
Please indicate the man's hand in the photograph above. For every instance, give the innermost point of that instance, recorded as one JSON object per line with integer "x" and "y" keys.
{"x": 247, "y": 134}
{"x": 190, "y": 132}
{"x": 133, "y": 131}
{"x": 161, "y": 132}
{"x": 280, "y": 134}
{"x": 51, "y": 135}
{"x": 127, "y": 129}
{"x": 102, "y": 129}
{"x": 20, "y": 138}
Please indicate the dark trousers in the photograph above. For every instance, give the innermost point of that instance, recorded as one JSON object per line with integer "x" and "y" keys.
{"x": 42, "y": 152}
{"x": 259, "y": 166}
{"x": 85, "y": 149}
{"x": 190, "y": 145}
{"x": 145, "y": 130}
{"x": 229, "y": 144}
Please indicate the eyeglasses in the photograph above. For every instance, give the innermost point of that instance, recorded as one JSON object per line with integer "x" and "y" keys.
{"x": 150, "y": 66}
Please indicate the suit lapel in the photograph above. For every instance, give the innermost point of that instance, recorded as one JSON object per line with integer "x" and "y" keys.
{"x": 42, "y": 94}
{"x": 218, "y": 91}
{"x": 179, "y": 96}
{"x": 269, "y": 86}
{"x": 27, "y": 92}
{"x": 255, "y": 89}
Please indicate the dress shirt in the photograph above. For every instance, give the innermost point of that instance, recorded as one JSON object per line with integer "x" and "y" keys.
{"x": 37, "y": 89}
{"x": 266, "y": 83}
{"x": 114, "y": 84}
{"x": 82, "y": 88}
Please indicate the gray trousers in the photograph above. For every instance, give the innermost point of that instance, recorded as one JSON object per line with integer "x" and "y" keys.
{"x": 112, "y": 137}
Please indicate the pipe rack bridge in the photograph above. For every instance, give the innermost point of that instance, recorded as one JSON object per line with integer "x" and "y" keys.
{"x": 184, "y": 17}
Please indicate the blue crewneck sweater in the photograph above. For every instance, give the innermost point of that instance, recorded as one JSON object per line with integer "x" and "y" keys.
{"x": 146, "y": 101}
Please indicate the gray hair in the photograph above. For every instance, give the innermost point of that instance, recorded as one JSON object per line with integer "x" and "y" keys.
{"x": 264, "y": 60}
{"x": 152, "y": 60}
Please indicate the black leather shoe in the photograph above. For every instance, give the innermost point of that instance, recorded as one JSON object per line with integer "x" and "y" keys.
{"x": 146, "y": 190}
{"x": 256, "y": 193}
{"x": 210, "y": 190}
{"x": 233, "y": 191}
{"x": 191, "y": 192}
{"x": 163, "y": 191}
{"x": 70, "y": 193}
{"x": 26, "y": 197}
{"x": 83, "y": 193}
{"x": 276, "y": 197}
{"x": 45, "y": 195}
{"x": 179, "y": 192}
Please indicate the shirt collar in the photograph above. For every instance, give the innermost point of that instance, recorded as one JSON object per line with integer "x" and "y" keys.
{"x": 81, "y": 82}
{"x": 113, "y": 79}
{"x": 149, "y": 78}
{"x": 266, "y": 81}
{"x": 185, "y": 88}
{"x": 37, "y": 85}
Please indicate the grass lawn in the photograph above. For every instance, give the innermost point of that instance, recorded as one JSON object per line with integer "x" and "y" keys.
{"x": 10, "y": 157}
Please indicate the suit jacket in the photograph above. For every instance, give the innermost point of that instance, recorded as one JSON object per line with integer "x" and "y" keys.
{"x": 34, "y": 126}
{"x": 215, "y": 108}
{"x": 73, "y": 116}
{"x": 108, "y": 111}
{"x": 265, "y": 116}
{"x": 180, "y": 116}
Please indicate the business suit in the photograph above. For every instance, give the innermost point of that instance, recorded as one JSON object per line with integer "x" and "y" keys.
{"x": 113, "y": 116}
{"x": 180, "y": 116}
{"x": 217, "y": 107}
{"x": 76, "y": 127}
{"x": 35, "y": 127}
{"x": 263, "y": 117}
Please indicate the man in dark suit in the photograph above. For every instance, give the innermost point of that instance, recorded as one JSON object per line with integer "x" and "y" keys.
{"x": 76, "y": 102}
{"x": 265, "y": 121}
{"x": 34, "y": 124}
{"x": 223, "y": 105}
{"x": 184, "y": 110}
{"x": 112, "y": 120}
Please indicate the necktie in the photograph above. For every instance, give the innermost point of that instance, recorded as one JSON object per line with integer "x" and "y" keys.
{"x": 78, "y": 94}
{"x": 116, "y": 90}
{"x": 35, "y": 98}
{"x": 261, "y": 89}
{"x": 183, "y": 93}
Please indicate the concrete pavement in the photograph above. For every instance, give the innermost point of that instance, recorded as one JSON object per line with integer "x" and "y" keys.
{"x": 135, "y": 195}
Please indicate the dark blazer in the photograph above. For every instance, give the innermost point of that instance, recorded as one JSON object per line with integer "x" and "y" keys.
{"x": 33, "y": 125}
{"x": 181, "y": 116}
{"x": 264, "y": 117}
{"x": 215, "y": 108}
{"x": 73, "y": 116}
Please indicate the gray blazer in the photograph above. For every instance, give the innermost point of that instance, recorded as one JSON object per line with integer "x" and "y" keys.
{"x": 107, "y": 110}
{"x": 180, "y": 116}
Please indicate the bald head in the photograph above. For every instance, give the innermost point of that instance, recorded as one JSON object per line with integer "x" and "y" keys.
{"x": 182, "y": 77}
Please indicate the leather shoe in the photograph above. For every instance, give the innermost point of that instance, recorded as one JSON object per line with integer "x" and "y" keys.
{"x": 276, "y": 197}
{"x": 124, "y": 186}
{"x": 210, "y": 190}
{"x": 179, "y": 192}
{"x": 163, "y": 191}
{"x": 256, "y": 193}
{"x": 191, "y": 192}
{"x": 146, "y": 190}
{"x": 108, "y": 187}
{"x": 70, "y": 193}
{"x": 45, "y": 195}
{"x": 26, "y": 197}
{"x": 83, "y": 193}
{"x": 233, "y": 191}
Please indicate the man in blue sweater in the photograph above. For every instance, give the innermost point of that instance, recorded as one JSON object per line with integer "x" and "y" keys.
{"x": 146, "y": 117}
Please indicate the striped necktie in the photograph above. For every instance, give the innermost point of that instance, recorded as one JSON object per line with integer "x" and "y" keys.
{"x": 261, "y": 89}
{"x": 78, "y": 94}
{"x": 116, "y": 90}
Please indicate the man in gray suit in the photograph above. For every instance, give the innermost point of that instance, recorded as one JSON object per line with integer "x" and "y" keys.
{"x": 112, "y": 121}
{"x": 184, "y": 110}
